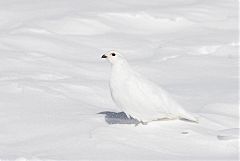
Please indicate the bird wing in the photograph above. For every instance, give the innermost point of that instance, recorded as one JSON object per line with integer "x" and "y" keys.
{"x": 147, "y": 95}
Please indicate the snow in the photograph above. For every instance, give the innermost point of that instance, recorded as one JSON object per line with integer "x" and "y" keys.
{"x": 54, "y": 84}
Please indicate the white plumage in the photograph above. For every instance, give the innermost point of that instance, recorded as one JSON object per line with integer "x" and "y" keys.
{"x": 139, "y": 97}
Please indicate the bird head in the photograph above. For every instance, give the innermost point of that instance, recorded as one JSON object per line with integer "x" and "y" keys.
{"x": 113, "y": 57}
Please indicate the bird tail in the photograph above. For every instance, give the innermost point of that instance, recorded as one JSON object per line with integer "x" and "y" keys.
{"x": 189, "y": 117}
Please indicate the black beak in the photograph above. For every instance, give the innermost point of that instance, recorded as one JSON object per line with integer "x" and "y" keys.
{"x": 104, "y": 56}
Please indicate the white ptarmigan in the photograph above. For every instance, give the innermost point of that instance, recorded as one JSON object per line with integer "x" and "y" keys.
{"x": 138, "y": 97}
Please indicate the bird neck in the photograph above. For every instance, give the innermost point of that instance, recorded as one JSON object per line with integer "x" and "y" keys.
{"x": 121, "y": 69}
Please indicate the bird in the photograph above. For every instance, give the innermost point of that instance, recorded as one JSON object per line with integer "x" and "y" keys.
{"x": 139, "y": 97}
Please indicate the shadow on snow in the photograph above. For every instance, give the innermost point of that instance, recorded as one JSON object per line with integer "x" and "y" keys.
{"x": 122, "y": 118}
{"x": 118, "y": 118}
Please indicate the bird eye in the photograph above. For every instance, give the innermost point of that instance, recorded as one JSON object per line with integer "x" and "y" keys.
{"x": 113, "y": 54}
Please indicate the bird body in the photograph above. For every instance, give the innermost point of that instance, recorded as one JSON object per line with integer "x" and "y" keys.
{"x": 139, "y": 97}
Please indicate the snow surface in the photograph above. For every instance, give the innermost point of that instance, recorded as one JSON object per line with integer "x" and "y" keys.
{"x": 55, "y": 102}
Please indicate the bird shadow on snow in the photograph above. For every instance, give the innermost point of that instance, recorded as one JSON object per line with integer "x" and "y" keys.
{"x": 118, "y": 118}
{"x": 122, "y": 118}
